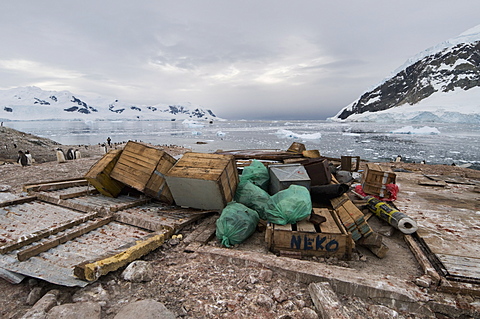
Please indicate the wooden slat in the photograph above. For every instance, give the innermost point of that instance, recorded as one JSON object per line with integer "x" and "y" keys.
{"x": 422, "y": 259}
{"x": 18, "y": 201}
{"x": 305, "y": 226}
{"x": 287, "y": 227}
{"x": 55, "y": 185}
{"x": 28, "y": 239}
{"x": 78, "y": 194}
{"x": 330, "y": 226}
{"x": 35, "y": 250}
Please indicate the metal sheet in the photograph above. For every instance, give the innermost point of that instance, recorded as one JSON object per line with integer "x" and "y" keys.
{"x": 56, "y": 265}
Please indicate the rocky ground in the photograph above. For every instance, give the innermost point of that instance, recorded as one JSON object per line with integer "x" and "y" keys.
{"x": 190, "y": 285}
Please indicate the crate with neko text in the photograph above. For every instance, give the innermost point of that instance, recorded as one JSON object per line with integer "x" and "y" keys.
{"x": 325, "y": 239}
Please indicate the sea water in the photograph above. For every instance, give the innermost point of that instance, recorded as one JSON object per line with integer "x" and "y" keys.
{"x": 434, "y": 143}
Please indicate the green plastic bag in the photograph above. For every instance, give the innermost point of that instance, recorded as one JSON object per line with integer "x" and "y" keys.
{"x": 253, "y": 197}
{"x": 256, "y": 173}
{"x": 236, "y": 223}
{"x": 289, "y": 206}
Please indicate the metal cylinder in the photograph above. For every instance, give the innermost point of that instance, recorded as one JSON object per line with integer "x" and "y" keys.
{"x": 391, "y": 215}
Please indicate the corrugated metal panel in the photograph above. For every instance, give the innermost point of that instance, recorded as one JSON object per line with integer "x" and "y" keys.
{"x": 56, "y": 265}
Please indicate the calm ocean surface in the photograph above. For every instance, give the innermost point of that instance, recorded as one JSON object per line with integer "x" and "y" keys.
{"x": 436, "y": 143}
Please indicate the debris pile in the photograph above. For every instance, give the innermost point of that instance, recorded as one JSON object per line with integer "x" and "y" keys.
{"x": 304, "y": 205}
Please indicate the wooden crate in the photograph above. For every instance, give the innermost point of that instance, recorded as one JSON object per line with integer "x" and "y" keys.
{"x": 318, "y": 171}
{"x": 143, "y": 167}
{"x": 99, "y": 175}
{"x": 375, "y": 179}
{"x": 328, "y": 239}
{"x": 203, "y": 181}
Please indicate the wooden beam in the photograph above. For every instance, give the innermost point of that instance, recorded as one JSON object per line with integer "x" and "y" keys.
{"x": 18, "y": 201}
{"x": 138, "y": 202}
{"x": 79, "y": 194}
{"x": 54, "y": 185}
{"x": 42, "y": 247}
{"x": 91, "y": 271}
{"x": 201, "y": 235}
{"x": 72, "y": 205}
{"x": 44, "y": 233}
{"x": 422, "y": 259}
{"x": 326, "y": 301}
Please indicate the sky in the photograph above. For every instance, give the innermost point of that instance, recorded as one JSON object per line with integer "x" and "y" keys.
{"x": 269, "y": 59}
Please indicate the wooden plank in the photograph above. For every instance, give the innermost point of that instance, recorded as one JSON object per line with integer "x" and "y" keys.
{"x": 55, "y": 185}
{"x": 42, "y": 247}
{"x": 287, "y": 227}
{"x": 201, "y": 235}
{"x": 79, "y": 194}
{"x": 91, "y": 271}
{"x": 326, "y": 301}
{"x": 135, "y": 203}
{"x": 329, "y": 226}
{"x": 422, "y": 259}
{"x": 28, "y": 239}
{"x": 453, "y": 287}
{"x": 305, "y": 226}
{"x": 18, "y": 201}
{"x": 433, "y": 183}
{"x": 211, "y": 173}
{"x": 68, "y": 204}
{"x": 339, "y": 201}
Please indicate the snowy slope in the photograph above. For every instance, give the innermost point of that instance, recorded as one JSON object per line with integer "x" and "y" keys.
{"x": 440, "y": 84}
{"x": 33, "y": 103}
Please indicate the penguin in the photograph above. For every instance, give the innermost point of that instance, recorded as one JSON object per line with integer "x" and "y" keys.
{"x": 70, "y": 154}
{"x": 77, "y": 154}
{"x": 29, "y": 157}
{"x": 22, "y": 159}
{"x": 60, "y": 156}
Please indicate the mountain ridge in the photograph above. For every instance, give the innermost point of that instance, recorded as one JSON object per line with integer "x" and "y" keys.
{"x": 419, "y": 88}
{"x": 33, "y": 103}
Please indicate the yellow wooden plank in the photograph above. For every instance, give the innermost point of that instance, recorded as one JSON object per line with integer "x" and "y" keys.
{"x": 93, "y": 271}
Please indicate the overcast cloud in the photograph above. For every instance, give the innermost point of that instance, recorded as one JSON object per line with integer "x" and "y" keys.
{"x": 243, "y": 59}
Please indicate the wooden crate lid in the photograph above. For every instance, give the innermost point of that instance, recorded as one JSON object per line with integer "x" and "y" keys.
{"x": 203, "y": 166}
{"x": 136, "y": 164}
{"x": 100, "y": 166}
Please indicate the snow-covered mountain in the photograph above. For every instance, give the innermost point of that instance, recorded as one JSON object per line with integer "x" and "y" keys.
{"x": 33, "y": 103}
{"x": 440, "y": 84}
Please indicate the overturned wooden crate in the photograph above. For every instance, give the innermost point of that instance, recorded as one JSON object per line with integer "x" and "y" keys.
{"x": 375, "y": 179}
{"x": 99, "y": 175}
{"x": 306, "y": 239}
{"x": 143, "y": 167}
{"x": 203, "y": 181}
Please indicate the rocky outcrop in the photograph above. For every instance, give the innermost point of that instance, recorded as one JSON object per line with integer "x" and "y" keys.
{"x": 456, "y": 67}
